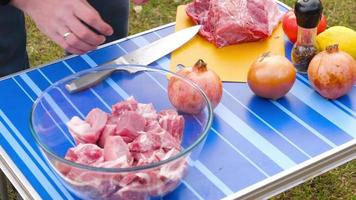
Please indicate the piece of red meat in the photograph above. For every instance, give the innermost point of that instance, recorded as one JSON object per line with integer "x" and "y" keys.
{"x": 152, "y": 126}
{"x": 227, "y": 22}
{"x": 115, "y": 148}
{"x": 175, "y": 169}
{"x": 126, "y": 179}
{"x": 129, "y": 125}
{"x": 172, "y": 122}
{"x": 88, "y": 131}
{"x": 130, "y": 104}
{"x": 122, "y": 162}
{"x": 147, "y": 111}
{"x": 87, "y": 154}
{"x": 148, "y": 157}
{"x": 145, "y": 142}
{"x": 167, "y": 141}
{"x": 109, "y": 129}
{"x": 90, "y": 186}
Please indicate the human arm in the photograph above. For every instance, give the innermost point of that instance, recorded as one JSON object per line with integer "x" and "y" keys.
{"x": 55, "y": 18}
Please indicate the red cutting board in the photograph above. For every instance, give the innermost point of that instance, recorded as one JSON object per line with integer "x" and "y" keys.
{"x": 230, "y": 62}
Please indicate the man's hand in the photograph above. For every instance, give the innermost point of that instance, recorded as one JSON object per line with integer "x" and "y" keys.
{"x": 64, "y": 21}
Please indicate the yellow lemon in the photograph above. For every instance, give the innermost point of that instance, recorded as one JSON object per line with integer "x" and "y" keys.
{"x": 345, "y": 37}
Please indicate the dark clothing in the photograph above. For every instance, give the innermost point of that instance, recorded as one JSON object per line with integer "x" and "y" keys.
{"x": 115, "y": 13}
{"x": 13, "y": 55}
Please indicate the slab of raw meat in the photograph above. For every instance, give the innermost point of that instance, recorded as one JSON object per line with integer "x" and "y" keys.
{"x": 88, "y": 131}
{"x": 227, "y": 22}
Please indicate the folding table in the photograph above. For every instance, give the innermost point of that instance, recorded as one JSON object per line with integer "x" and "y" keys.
{"x": 256, "y": 148}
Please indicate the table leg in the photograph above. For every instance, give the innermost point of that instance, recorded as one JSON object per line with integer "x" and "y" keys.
{"x": 3, "y": 187}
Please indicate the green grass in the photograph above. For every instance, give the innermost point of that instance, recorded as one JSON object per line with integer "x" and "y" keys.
{"x": 339, "y": 183}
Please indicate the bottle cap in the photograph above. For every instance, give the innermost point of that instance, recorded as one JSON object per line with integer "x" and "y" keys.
{"x": 308, "y": 13}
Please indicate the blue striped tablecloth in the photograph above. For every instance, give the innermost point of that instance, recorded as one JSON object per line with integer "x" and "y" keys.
{"x": 251, "y": 139}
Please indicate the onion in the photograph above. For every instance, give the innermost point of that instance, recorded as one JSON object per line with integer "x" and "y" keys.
{"x": 185, "y": 98}
{"x": 271, "y": 76}
{"x": 332, "y": 72}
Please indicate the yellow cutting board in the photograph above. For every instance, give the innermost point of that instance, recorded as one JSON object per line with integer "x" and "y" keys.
{"x": 232, "y": 62}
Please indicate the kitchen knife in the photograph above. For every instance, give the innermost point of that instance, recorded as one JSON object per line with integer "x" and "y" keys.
{"x": 142, "y": 56}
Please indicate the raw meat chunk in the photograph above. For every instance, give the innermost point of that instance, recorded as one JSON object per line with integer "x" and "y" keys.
{"x": 227, "y": 22}
{"x": 87, "y": 154}
{"x": 115, "y": 148}
{"x": 147, "y": 111}
{"x": 129, "y": 125}
{"x": 88, "y": 131}
{"x": 152, "y": 126}
{"x": 97, "y": 119}
{"x": 172, "y": 122}
{"x": 77, "y": 127}
{"x": 145, "y": 142}
{"x": 174, "y": 170}
{"x": 145, "y": 158}
{"x": 167, "y": 141}
{"x": 121, "y": 162}
{"x": 129, "y": 104}
{"x": 108, "y": 130}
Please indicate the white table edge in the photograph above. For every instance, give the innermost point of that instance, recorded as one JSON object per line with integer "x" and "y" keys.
{"x": 16, "y": 177}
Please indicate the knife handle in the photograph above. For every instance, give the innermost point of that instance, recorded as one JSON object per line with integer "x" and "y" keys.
{"x": 88, "y": 80}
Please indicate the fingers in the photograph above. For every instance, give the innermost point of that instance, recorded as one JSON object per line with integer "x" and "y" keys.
{"x": 70, "y": 40}
{"x": 84, "y": 33}
{"x": 58, "y": 38}
{"x": 73, "y": 41}
{"x": 92, "y": 18}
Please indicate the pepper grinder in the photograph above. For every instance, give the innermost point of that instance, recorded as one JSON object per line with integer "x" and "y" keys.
{"x": 308, "y": 14}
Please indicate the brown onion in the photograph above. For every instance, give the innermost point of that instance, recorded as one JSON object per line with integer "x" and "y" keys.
{"x": 271, "y": 76}
{"x": 332, "y": 72}
{"x": 187, "y": 99}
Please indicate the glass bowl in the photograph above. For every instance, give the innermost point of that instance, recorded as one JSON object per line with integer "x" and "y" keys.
{"x": 55, "y": 107}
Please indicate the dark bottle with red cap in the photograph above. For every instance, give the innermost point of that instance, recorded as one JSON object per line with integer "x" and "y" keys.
{"x": 308, "y": 13}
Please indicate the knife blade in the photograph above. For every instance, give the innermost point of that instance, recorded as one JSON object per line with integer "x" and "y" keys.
{"x": 152, "y": 52}
{"x": 142, "y": 56}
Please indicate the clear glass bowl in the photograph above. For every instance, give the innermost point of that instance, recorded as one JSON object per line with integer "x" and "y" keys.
{"x": 56, "y": 106}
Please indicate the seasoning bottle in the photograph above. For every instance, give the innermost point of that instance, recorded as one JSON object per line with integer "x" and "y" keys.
{"x": 308, "y": 14}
